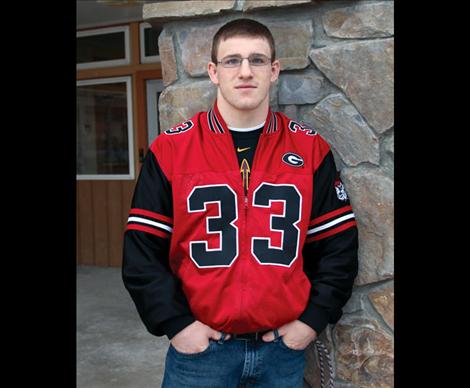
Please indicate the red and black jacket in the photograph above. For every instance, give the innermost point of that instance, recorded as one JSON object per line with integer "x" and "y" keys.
{"x": 198, "y": 247}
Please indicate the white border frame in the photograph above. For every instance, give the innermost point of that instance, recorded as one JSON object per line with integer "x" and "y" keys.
{"x": 130, "y": 129}
{"x": 112, "y": 62}
{"x": 143, "y": 57}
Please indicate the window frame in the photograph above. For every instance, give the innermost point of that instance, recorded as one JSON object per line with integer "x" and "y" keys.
{"x": 145, "y": 58}
{"x": 130, "y": 129}
{"x": 112, "y": 62}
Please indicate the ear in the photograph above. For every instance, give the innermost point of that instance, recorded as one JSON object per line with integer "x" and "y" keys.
{"x": 275, "y": 70}
{"x": 212, "y": 71}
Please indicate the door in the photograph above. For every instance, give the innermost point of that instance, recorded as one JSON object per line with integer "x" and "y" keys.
{"x": 116, "y": 121}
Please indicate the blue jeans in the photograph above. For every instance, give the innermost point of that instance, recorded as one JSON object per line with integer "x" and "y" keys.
{"x": 236, "y": 363}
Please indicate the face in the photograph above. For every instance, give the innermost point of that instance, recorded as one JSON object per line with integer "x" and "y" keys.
{"x": 245, "y": 87}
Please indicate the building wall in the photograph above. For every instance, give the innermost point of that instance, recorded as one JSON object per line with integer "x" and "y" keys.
{"x": 102, "y": 210}
{"x": 337, "y": 75}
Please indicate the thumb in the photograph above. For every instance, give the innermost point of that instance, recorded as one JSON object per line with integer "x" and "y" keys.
{"x": 217, "y": 335}
{"x": 269, "y": 336}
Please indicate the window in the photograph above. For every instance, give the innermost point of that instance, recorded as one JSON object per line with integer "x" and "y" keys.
{"x": 103, "y": 47}
{"x": 154, "y": 88}
{"x": 149, "y": 43}
{"x": 105, "y": 147}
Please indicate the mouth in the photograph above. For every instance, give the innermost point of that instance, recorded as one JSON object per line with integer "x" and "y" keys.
{"x": 245, "y": 87}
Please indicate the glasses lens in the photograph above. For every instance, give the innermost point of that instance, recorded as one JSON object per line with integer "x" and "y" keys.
{"x": 231, "y": 62}
{"x": 258, "y": 60}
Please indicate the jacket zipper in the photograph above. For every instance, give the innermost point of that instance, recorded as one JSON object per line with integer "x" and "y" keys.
{"x": 245, "y": 200}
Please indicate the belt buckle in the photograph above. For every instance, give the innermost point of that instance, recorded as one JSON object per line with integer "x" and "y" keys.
{"x": 250, "y": 336}
{"x": 254, "y": 336}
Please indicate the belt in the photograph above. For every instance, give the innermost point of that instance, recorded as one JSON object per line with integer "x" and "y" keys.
{"x": 249, "y": 336}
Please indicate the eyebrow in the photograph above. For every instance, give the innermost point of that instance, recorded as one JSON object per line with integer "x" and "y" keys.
{"x": 239, "y": 55}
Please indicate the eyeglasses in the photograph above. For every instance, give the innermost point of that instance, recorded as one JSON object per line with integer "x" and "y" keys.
{"x": 253, "y": 60}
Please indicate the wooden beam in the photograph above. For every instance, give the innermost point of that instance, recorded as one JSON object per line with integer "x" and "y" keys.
{"x": 117, "y": 71}
{"x": 135, "y": 43}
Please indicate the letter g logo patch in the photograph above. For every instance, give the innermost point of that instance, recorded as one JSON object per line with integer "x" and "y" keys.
{"x": 292, "y": 159}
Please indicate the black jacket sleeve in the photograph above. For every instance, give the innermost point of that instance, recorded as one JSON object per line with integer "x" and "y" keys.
{"x": 155, "y": 290}
{"x": 330, "y": 251}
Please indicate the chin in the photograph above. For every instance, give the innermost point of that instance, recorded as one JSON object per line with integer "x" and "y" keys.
{"x": 248, "y": 104}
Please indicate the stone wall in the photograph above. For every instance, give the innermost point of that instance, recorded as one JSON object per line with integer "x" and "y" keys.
{"x": 337, "y": 75}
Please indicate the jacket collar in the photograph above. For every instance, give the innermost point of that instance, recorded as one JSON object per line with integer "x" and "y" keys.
{"x": 218, "y": 126}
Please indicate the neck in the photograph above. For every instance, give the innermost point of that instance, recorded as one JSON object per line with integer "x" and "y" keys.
{"x": 242, "y": 118}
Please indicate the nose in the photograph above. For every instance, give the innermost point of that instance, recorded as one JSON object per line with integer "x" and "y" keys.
{"x": 245, "y": 69}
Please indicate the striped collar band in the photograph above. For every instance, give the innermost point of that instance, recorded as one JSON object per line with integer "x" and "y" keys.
{"x": 217, "y": 124}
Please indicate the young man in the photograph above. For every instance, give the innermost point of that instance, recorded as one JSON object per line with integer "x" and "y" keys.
{"x": 241, "y": 244}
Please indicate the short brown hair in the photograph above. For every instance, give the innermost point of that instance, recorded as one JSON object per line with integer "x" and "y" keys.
{"x": 242, "y": 27}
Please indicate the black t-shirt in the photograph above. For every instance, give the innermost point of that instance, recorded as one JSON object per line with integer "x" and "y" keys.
{"x": 245, "y": 146}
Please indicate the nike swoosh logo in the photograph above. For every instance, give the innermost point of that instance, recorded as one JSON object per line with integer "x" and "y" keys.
{"x": 242, "y": 149}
